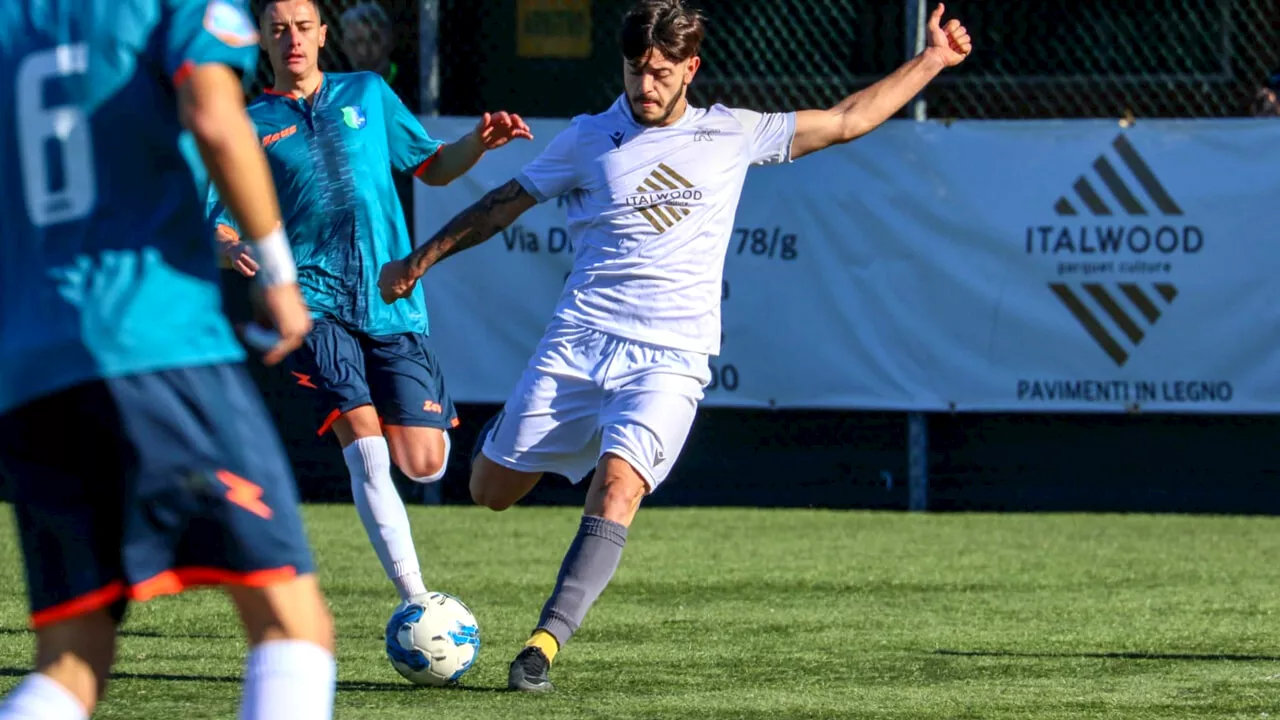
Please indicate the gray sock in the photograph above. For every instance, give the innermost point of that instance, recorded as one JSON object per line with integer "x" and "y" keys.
{"x": 587, "y": 568}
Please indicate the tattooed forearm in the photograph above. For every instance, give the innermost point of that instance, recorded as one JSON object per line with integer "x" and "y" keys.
{"x": 489, "y": 215}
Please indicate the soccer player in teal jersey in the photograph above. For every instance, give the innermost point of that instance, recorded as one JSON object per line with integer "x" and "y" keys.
{"x": 333, "y": 141}
{"x": 112, "y": 338}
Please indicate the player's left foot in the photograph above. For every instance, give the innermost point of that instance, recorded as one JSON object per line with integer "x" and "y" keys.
{"x": 529, "y": 672}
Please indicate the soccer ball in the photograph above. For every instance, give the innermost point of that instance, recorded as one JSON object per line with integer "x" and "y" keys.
{"x": 432, "y": 640}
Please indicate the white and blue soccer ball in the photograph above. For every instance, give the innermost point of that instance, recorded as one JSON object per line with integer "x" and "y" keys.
{"x": 432, "y": 639}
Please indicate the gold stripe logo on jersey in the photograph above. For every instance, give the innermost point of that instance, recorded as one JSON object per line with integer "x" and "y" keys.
{"x": 661, "y": 195}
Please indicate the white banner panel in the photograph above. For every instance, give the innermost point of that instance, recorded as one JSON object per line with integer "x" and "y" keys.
{"x": 1012, "y": 266}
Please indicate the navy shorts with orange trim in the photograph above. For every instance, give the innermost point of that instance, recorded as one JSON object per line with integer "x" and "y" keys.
{"x": 343, "y": 369}
{"x": 144, "y": 485}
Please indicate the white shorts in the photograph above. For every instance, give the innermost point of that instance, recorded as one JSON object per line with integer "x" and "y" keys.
{"x": 586, "y": 393}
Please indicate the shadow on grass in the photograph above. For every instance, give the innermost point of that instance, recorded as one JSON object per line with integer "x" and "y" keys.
{"x": 343, "y": 685}
{"x": 144, "y": 634}
{"x": 1190, "y": 657}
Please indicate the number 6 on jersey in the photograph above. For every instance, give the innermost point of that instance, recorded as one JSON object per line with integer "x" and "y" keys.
{"x": 54, "y": 142}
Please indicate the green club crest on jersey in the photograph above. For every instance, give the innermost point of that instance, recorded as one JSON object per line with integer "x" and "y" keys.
{"x": 354, "y": 117}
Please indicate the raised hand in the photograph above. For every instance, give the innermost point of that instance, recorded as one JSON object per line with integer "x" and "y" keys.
{"x": 949, "y": 42}
{"x": 497, "y": 129}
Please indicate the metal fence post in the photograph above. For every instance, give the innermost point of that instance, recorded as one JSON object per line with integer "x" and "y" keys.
{"x": 429, "y": 57}
{"x": 917, "y": 20}
{"x": 917, "y": 423}
{"x": 917, "y": 462}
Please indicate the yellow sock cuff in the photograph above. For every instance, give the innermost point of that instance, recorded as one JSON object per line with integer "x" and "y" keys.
{"x": 546, "y": 642}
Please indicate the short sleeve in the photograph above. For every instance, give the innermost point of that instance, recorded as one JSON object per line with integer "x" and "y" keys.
{"x": 216, "y": 213}
{"x": 555, "y": 171}
{"x": 410, "y": 147}
{"x": 199, "y": 32}
{"x": 769, "y": 135}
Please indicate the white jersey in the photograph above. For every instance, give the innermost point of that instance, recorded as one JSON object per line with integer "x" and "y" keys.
{"x": 650, "y": 215}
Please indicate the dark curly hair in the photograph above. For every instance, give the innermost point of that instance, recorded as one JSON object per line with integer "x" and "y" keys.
{"x": 663, "y": 25}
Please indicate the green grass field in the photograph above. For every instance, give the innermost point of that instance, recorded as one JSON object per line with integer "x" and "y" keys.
{"x": 773, "y": 614}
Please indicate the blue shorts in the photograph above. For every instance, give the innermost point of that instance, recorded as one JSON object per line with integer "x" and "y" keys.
{"x": 343, "y": 369}
{"x": 148, "y": 484}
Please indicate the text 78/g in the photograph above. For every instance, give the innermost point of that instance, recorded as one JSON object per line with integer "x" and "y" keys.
{"x": 765, "y": 242}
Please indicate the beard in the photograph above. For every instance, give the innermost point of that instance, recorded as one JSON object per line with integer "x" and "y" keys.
{"x": 664, "y": 115}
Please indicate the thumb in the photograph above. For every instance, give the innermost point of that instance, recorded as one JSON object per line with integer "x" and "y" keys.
{"x": 935, "y": 20}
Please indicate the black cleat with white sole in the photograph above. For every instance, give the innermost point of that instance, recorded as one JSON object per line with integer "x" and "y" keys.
{"x": 529, "y": 672}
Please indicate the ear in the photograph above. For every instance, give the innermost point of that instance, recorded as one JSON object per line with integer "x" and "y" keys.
{"x": 324, "y": 32}
{"x": 691, "y": 68}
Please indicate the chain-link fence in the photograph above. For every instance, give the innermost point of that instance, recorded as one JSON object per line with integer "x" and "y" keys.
{"x": 1042, "y": 59}
{"x": 1067, "y": 58}
{"x": 559, "y": 57}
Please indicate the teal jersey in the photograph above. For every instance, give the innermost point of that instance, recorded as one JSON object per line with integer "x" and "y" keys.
{"x": 106, "y": 265}
{"x": 332, "y": 159}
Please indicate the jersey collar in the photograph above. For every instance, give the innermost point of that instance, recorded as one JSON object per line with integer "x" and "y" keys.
{"x": 324, "y": 77}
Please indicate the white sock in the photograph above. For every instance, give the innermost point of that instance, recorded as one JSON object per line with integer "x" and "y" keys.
{"x": 40, "y": 697}
{"x": 382, "y": 511}
{"x": 290, "y": 679}
{"x": 439, "y": 474}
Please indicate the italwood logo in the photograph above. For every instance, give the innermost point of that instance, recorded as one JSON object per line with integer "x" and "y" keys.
{"x": 660, "y": 198}
{"x": 1131, "y": 309}
{"x": 1117, "y": 219}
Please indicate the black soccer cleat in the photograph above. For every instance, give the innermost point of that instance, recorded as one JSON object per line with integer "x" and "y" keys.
{"x": 529, "y": 672}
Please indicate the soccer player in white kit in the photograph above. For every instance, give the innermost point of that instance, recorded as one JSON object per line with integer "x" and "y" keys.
{"x": 652, "y": 186}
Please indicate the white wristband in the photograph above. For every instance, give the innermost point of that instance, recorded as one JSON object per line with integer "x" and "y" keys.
{"x": 275, "y": 260}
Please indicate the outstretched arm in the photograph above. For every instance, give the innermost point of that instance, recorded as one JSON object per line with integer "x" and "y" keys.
{"x": 453, "y": 160}
{"x": 413, "y": 150}
{"x": 865, "y": 110}
{"x": 484, "y": 219}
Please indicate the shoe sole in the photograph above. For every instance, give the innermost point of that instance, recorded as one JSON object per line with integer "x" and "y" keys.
{"x": 523, "y": 685}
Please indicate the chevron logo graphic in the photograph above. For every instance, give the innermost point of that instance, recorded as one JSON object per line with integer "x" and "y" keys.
{"x": 1122, "y": 195}
{"x": 1130, "y": 309}
{"x": 658, "y": 198}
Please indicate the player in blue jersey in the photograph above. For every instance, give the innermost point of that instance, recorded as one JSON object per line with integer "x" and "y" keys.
{"x": 111, "y": 329}
{"x": 333, "y": 141}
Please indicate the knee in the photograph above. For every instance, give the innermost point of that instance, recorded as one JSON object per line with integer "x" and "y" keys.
{"x": 78, "y": 654}
{"x": 317, "y": 627}
{"x": 324, "y": 633}
{"x": 422, "y": 462}
{"x": 318, "y": 630}
{"x": 423, "y": 469}
{"x": 290, "y": 610}
{"x": 486, "y": 495}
